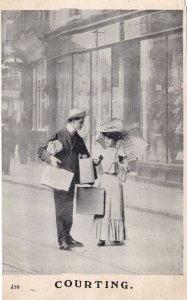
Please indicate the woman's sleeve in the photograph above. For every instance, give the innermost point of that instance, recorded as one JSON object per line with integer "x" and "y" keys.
{"x": 97, "y": 151}
{"x": 43, "y": 154}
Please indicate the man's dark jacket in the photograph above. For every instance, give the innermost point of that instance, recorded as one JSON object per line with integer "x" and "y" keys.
{"x": 69, "y": 156}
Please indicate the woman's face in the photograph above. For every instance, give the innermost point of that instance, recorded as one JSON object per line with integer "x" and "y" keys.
{"x": 109, "y": 142}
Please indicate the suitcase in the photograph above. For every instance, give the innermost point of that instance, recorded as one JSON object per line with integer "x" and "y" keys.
{"x": 89, "y": 200}
{"x": 58, "y": 179}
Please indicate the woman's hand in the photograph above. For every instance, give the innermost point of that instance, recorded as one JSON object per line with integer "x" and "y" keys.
{"x": 97, "y": 161}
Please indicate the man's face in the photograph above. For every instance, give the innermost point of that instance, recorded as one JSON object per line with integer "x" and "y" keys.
{"x": 78, "y": 124}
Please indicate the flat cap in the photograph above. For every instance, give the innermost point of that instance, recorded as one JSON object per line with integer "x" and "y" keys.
{"x": 76, "y": 113}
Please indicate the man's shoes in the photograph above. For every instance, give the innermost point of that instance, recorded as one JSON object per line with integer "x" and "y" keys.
{"x": 64, "y": 246}
{"x": 73, "y": 242}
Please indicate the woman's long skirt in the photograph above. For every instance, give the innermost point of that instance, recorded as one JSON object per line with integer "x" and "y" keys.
{"x": 111, "y": 227}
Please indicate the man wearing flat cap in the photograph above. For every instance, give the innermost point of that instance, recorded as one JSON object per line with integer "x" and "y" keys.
{"x": 67, "y": 158}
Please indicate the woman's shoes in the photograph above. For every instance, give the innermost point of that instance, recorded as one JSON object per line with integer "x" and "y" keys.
{"x": 115, "y": 243}
{"x": 101, "y": 243}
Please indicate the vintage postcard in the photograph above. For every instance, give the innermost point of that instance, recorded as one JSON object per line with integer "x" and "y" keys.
{"x": 93, "y": 150}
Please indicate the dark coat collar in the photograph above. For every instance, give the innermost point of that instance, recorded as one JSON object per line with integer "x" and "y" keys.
{"x": 66, "y": 134}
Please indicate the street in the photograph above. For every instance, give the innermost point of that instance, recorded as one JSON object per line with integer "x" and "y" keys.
{"x": 153, "y": 245}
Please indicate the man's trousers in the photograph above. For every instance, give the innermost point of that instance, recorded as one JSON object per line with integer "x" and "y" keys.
{"x": 64, "y": 213}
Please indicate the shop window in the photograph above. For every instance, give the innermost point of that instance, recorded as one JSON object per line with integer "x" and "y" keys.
{"x": 117, "y": 83}
{"x": 64, "y": 88}
{"x": 81, "y": 90}
{"x": 40, "y": 97}
{"x": 175, "y": 99}
{"x": 162, "y": 98}
{"x": 101, "y": 89}
{"x": 125, "y": 82}
{"x": 153, "y": 97}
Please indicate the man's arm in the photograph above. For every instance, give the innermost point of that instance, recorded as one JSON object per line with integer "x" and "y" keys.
{"x": 43, "y": 154}
{"x": 83, "y": 148}
{"x": 84, "y": 151}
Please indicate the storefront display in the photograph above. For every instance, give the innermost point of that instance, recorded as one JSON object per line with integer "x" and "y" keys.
{"x": 64, "y": 88}
{"x": 161, "y": 98}
{"x": 153, "y": 97}
{"x": 175, "y": 99}
{"x": 40, "y": 101}
{"x": 130, "y": 70}
{"x": 125, "y": 82}
{"x": 81, "y": 90}
{"x": 101, "y": 88}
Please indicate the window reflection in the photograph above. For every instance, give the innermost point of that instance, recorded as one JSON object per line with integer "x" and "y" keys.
{"x": 153, "y": 97}
{"x": 81, "y": 90}
{"x": 40, "y": 97}
{"x": 162, "y": 98}
{"x": 64, "y": 88}
{"x": 125, "y": 82}
{"x": 175, "y": 99}
{"x": 101, "y": 88}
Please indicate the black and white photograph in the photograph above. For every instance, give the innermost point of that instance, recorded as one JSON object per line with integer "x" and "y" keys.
{"x": 92, "y": 141}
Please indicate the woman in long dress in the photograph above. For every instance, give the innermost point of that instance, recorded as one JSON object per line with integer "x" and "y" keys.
{"x": 111, "y": 227}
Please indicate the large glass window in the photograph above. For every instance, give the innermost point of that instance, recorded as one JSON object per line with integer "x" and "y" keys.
{"x": 175, "y": 99}
{"x": 161, "y": 98}
{"x": 153, "y": 97}
{"x": 118, "y": 77}
{"x": 40, "y": 100}
{"x": 125, "y": 82}
{"x": 81, "y": 90}
{"x": 101, "y": 88}
{"x": 140, "y": 82}
{"x": 64, "y": 88}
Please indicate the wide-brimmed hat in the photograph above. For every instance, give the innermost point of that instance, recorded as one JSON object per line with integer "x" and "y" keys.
{"x": 113, "y": 125}
{"x": 76, "y": 113}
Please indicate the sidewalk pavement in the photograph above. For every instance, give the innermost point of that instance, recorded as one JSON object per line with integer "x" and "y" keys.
{"x": 153, "y": 217}
{"x": 139, "y": 196}
{"x": 153, "y": 246}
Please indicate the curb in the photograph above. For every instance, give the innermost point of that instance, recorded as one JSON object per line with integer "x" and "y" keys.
{"x": 128, "y": 206}
{"x": 30, "y": 185}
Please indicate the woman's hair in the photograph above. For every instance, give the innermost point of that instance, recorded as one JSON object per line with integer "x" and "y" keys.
{"x": 116, "y": 136}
